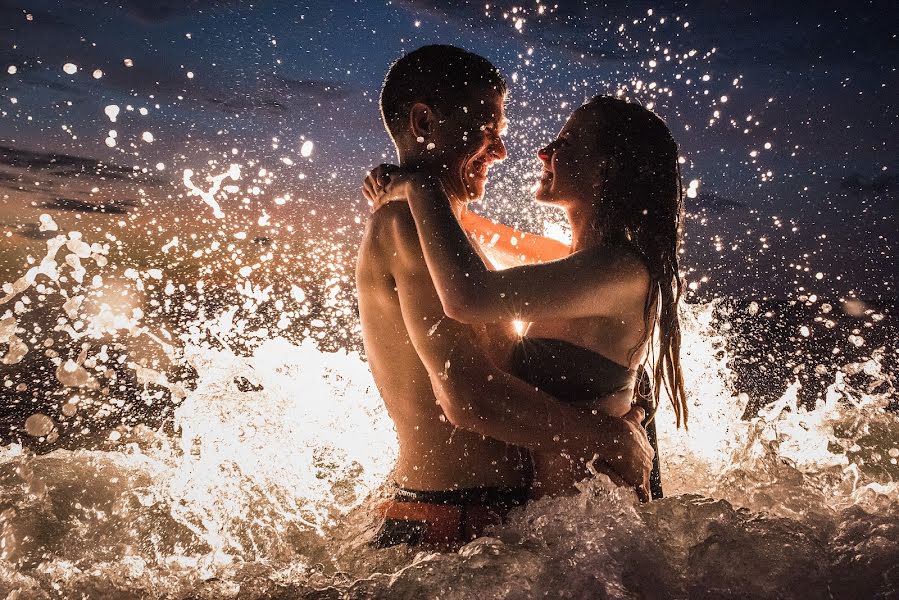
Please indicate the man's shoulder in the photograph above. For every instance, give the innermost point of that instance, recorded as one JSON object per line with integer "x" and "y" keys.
{"x": 393, "y": 225}
{"x": 393, "y": 216}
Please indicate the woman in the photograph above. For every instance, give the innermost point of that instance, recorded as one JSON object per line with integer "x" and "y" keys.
{"x": 595, "y": 307}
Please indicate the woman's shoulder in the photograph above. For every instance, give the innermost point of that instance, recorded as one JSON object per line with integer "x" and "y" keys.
{"x": 623, "y": 262}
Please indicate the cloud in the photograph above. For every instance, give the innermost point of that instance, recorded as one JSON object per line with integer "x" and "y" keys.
{"x": 745, "y": 33}
{"x": 118, "y": 207}
{"x": 713, "y": 202}
{"x": 43, "y": 81}
{"x": 161, "y": 11}
{"x": 12, "y": 13}
{"x": 39, "y": 48}
{"x": 61, "y": 164}
{"x": 569, "y": 27}
{"x": 32, "y": 231}
{"x": 244, "y": 103}
{"x": 273, "y": 94}
{"x": 882, "y": 184}
{"x": 315, "y": 89}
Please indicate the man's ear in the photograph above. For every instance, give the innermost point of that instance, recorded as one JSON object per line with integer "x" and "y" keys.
{"x": 422, "y": 120}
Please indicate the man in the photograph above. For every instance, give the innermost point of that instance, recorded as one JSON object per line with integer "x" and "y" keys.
{"x": 443, "y": 108}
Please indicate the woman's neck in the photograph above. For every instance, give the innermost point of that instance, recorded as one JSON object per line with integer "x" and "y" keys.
{"x": 585, "y": 229}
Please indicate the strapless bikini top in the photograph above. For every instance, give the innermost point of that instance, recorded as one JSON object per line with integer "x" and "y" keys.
{"x": 572, "y": 373}
{"x": 568, "y": 371}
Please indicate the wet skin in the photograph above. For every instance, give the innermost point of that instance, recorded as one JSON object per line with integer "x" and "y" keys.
{"x": 602, "y": 309}
{"x": 408, "y": 339}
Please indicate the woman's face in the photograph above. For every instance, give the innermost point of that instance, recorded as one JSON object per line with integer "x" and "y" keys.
{"x": 573, "y": 165}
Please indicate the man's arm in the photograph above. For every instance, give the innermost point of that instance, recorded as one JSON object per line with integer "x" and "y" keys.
{"x": 475, "y": 395}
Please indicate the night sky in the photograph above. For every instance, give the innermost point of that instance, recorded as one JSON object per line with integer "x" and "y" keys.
{"x": 786, "y": 115}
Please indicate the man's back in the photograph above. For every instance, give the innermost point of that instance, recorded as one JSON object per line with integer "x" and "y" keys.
{"x": 406, "y": 336}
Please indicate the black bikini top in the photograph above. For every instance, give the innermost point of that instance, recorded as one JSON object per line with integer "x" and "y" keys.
{"x": 568, "y": 371}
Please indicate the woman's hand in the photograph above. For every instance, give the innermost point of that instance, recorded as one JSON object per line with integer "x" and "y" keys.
{"x": 391, "y": 183}
{"x": 385, "y": 183}
{"x": 635, "y": 461}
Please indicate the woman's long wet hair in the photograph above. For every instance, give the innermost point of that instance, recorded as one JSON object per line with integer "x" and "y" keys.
{"x": 642, "y": 206}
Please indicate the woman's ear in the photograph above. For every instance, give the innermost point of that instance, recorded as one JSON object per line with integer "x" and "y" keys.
{"x": 608, "y": 168}
{"x": 422, "y": 121}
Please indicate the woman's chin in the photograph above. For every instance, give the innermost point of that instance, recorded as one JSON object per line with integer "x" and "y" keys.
{"x": 543, "y": 195}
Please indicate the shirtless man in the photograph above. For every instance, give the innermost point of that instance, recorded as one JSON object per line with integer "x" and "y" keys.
{"x": 443, "y": 108}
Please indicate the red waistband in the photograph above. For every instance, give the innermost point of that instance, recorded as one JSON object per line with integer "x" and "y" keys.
{"x": 443, "y": 526}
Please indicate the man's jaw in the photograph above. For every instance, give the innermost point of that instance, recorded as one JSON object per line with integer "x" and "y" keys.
{"x": 474, "y": 176}
{"x": 478, "y": 168}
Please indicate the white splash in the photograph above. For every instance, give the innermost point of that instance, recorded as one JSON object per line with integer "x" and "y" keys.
{"x": 306, "y": 442}
{"x": 112, "y": 111}
{"x": 208, "y": 196}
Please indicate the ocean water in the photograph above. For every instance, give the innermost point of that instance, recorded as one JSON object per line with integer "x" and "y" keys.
{"x": 162, "y": 439}
{"x": 259, "y": 488}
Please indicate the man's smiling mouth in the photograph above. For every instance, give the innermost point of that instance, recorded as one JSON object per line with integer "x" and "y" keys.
{"x": 478, "y": 168}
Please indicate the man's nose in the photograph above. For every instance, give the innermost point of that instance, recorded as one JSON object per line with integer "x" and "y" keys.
{"x": 499, "y": 149}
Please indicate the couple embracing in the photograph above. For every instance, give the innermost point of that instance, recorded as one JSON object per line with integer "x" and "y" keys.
{"x": 487, "y": 418}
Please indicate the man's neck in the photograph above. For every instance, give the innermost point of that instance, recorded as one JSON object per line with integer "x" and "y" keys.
{"x": 414, "y": 162}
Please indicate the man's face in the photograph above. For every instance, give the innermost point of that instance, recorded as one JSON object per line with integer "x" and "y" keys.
{"x": 469, "y": 142}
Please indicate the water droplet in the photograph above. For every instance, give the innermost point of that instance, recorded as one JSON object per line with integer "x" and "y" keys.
{"x": 112, "y": 111}
{"x": 39, "y": 425}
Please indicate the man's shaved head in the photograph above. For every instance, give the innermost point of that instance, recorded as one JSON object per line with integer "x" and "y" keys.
{"x": 443, "y": 77}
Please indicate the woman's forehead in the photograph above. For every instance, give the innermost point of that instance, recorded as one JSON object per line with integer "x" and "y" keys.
{"x": 584, "y": 118}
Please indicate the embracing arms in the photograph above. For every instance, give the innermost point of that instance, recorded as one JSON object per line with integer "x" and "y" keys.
{"x": 476, "y": 395}
{"x": 596, "y": 284}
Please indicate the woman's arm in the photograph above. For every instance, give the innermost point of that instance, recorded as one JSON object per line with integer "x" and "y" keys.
{"x": 586, "y": 283}
{"x": 509, "y": 246}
